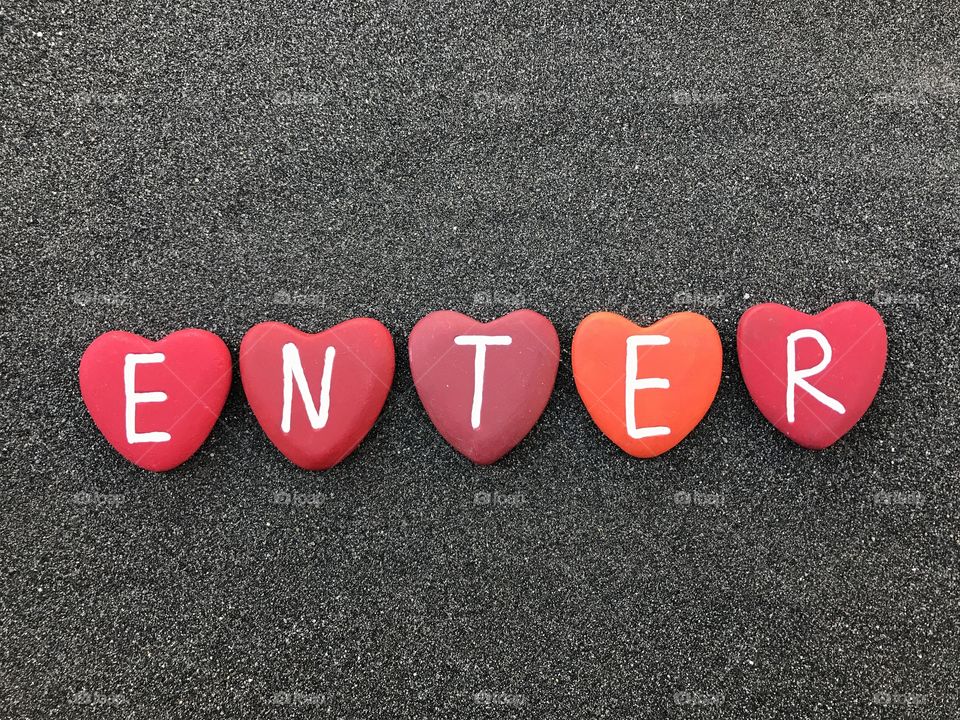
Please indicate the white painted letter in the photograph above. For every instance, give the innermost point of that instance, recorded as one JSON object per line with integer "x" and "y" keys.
{"x": 634, "y": 383}
{"x": 133, "y": 398}
{"x": 479, "y": 365}
{"x": 292, "y": 368}
{"x": 795, "y": 378}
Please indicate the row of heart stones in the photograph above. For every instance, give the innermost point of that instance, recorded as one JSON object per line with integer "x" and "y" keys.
{"x": 484, "y": 385}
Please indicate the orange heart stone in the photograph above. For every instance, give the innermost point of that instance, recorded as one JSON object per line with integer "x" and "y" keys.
{"x": 646, "y": 388}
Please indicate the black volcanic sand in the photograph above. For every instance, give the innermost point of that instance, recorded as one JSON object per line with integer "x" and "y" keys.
{"x": 220, "y": 165}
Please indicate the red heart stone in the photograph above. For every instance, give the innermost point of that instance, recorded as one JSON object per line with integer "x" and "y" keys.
{"x": 812, "y": 376}
{"x": 484, "y": 385}
{"x": 317, "y": 396}
{"x": 156, "y": 402}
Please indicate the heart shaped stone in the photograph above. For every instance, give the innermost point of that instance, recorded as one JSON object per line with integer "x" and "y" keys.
{"x": 156, "y": 401}
{"x": 812, "y": 376}
{"x": 316, "y": 396}
{"x": 646, "y": 388}
{"x": 484, "y": 385}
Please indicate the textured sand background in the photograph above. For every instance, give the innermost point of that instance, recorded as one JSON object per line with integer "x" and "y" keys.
{"x": 176, "y": 164}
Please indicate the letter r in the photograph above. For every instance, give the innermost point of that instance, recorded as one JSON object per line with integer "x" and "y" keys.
{"x": 797, "y": 378}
